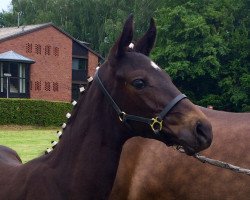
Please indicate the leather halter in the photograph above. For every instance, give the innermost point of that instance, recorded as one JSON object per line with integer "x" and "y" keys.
{"x": 155, "y": 123}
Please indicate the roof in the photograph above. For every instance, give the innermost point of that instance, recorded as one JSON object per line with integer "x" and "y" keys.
{"x": 9, "y": 32}
{"x": 12, "y": 32}
{"x": 13, "y": 56}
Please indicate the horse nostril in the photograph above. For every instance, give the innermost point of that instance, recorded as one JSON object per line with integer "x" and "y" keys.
{"x": 199, "y": 128}
{"x": 203, "y": 133}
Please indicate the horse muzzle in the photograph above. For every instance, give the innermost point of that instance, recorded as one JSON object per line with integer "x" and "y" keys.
{"x": 198, "y": 139}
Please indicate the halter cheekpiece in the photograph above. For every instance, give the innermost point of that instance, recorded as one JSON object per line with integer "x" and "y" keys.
{"x": 155, "y": 123}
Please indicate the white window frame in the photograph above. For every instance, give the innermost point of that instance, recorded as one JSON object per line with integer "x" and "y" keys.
{"x": 22, "y": 78}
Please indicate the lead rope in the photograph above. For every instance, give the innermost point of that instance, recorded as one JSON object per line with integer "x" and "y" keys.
{"x": 217, "y": 163}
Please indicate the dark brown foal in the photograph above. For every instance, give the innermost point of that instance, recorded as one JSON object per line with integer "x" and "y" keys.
{"x": 129, "y": 96}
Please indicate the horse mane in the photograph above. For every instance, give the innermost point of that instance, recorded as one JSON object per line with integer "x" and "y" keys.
{"x": 74, "y": 111}
{"x": 79, "y": 102}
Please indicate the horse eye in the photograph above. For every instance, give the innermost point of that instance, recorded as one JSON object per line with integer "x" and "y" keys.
{"x": 138, "y": 84}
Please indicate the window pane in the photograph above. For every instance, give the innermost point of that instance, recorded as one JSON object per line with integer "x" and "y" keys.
{"x": 13, "y": 84}
{"x": 79, "y": 63}
{"x": 5, "y": 67}
{"x": 14, "y": 69}
{"x": 82, "y": 63}
{"x": 75, "y": 64}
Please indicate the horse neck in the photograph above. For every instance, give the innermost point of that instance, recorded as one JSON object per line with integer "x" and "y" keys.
{"x": 88, "y": 154}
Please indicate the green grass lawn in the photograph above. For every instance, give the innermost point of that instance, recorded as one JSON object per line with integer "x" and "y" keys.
{"x": 29, "y": 142}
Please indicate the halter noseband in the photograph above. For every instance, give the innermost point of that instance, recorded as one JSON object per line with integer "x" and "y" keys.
{"x": 155, "y": 123}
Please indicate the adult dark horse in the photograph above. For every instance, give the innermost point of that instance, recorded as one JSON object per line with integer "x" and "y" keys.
{"x": 149, "y": 171}
{"x": 85, "y": 161}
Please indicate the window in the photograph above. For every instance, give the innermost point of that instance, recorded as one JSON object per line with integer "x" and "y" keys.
{"x": 79, "y": 69}
{"x": 79, "y": 63}
{"x": 17, "y": 82}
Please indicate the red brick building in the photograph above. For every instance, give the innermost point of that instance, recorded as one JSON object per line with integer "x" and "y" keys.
{"x": 43, "y": 62}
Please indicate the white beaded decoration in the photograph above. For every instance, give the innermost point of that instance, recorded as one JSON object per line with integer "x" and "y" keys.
{"x": 74, "y": 103}
{"x": 82, "y": 89}
{"x": 131, "y": 45}
{"x": 68, "y": 115}
{"x": 59, "y": 134}
{"x": 64, "y": 125}
{"x": 48, "y": 150}
{"x": 54, "y": 143}
{"x": 90, "y": 79}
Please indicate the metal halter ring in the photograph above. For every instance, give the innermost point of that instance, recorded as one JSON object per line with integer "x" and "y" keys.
{"x": 156, "y": 125}
{"x": 121, "y": 116}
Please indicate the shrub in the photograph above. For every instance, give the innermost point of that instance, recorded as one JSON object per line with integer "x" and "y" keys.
{"x": 33, "y": 112}
{"x": 246, "y": 108}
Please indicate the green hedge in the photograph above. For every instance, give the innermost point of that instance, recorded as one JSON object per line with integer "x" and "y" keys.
{"x": 246, "y": 108}
{"x": 33, "y": 112}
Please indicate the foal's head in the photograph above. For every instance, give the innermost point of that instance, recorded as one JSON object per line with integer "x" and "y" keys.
{"x": 142, "y": 89}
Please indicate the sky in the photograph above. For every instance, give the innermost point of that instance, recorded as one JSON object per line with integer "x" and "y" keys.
{"x": 4, "y": 5}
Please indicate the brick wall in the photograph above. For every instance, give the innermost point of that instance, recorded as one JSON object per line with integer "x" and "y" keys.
{"x": 92, "y": 63}
{"x": 51, "y": 75}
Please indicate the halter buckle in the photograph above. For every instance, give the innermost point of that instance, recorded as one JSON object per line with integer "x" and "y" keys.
{"x": 156, "y": 125}
{"x": 122, "y": 116}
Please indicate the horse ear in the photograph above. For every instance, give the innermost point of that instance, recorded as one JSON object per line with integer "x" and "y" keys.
{"x": 146, "y": 43}
{"x": 124, "y": 40}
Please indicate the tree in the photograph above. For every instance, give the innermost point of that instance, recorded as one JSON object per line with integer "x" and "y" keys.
{"x": 7, "y": 19}
{"x": 204, "y": 45}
